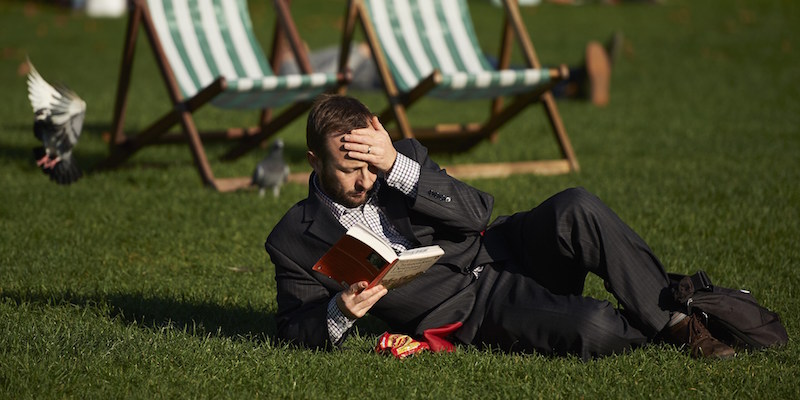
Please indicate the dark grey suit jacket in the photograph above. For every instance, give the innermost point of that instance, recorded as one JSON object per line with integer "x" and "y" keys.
{"x": 445, "y": 211}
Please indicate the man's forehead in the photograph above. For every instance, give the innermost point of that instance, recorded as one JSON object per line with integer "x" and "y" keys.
{"x": 335, "y": 141}
{"x": 344, "y": 129}
{"x": 339, "y": 153}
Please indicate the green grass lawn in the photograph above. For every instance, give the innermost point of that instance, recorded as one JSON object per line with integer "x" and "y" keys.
{"x": 139, "y": 282}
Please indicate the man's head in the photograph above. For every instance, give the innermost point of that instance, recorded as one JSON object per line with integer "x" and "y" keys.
{"x": 333, "y": 115}
{"x": 345, "y": 180}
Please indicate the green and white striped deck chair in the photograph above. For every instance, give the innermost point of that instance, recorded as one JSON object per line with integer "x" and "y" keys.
{"x": 207, "y": 52}
{"x": 429, "y": 48}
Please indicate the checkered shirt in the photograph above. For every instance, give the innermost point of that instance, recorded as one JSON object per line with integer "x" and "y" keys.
{"x": 403, "y": 176}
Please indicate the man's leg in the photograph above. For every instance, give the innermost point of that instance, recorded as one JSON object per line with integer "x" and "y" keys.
{"x": 573, "y": 233}
{"x": 523, "y": 316}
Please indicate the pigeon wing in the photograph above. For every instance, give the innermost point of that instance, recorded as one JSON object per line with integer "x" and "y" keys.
{"x": 41, "y": 94}
{"x": 69, "y": 111}
{"x": 68, "y": 114}
{"x": 60, "y": 109}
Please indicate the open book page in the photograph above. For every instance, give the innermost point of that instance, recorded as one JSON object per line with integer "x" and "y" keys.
{"x": 411, "y": 263}
{"x": 374, "y": 241}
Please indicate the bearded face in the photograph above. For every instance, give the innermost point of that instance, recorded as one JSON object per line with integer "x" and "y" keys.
{"x": 345, "y": 180}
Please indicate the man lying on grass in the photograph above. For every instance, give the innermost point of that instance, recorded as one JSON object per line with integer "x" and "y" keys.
{"x": 514, "y": 284}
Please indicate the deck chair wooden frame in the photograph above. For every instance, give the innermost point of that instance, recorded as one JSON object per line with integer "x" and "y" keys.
{"x": 459, "y": 137}
{"x": 184, "y": 104}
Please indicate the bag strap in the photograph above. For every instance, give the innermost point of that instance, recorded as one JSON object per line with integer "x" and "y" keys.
{"x": 701, "y": 281}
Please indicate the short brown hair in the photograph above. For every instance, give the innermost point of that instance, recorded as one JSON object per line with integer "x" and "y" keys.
{"x": 332, "y": 114}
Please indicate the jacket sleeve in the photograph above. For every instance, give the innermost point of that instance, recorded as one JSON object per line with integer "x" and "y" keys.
{"x": 454, "y": 204}
{"x": 302, "y": 302}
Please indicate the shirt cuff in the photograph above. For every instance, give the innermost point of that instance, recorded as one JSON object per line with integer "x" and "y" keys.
{"x": 338, "y": 323}
{"x": 404, "y": 175}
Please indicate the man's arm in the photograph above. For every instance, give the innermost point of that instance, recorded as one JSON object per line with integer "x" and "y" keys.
{"x": 439, "y": 196}
{"x": 302, "y": 302}
{"x": 304, "y": 314}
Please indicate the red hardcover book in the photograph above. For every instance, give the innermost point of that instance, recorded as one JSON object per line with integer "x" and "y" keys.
{"x": 361, "y": 255}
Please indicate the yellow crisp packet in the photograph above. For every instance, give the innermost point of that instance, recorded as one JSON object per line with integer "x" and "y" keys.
{"x": 400, "y": 346}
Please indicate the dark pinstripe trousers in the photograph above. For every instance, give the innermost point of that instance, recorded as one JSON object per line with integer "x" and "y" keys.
{"x": 535, "y": 302}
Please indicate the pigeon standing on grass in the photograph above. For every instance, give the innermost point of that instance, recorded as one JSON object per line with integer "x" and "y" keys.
{"x": 58, "y": 120}
{"x": 272, "y": 171}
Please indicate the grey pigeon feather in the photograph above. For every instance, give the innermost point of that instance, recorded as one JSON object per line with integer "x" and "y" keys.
{"x": 271, "y": 172}
{"x": 58, "y": 120}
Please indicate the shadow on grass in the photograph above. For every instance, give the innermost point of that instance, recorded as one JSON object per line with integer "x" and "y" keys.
{"x": 200, "y": 319}
{"x": 153, "y": 312}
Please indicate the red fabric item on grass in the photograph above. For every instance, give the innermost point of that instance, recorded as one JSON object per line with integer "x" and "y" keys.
{"x": 436, "y": 337}
{"x": 402, "y": 346}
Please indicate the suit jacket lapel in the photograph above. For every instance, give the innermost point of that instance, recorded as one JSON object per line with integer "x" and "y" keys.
{"x": 392, "y": 203}
{"x": 321, "y": 222}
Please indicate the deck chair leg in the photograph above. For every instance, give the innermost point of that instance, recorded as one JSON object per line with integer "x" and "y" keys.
{"x": 558, "y": 128}
{"x": 265, "y": 118}
{"x": 347, "y": 38}
{"x": 396, "y": 112}
{"x": 121, "y": 102}
{"x": 399, "y": 113}
{"x": 553, "y": 116}
{"x": 126, "y": 148}
{"x": 399, "y": 105}
{"x": 511, "y": 110}
{"x": 199, "y": 155}
{"x": 503, "y": 62}
{"x": 286, "y": 33}
{"x": 515, "y": 21}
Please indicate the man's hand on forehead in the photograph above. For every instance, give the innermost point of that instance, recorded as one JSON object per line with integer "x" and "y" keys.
{"x": 371, "y": 145}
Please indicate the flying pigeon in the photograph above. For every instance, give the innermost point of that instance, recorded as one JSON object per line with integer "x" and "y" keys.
{"x": 58, "y": 120}
{"x": 272, "y": 171}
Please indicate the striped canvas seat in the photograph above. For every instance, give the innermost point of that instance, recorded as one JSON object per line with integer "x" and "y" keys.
{"x": 206, "y": 39}
{"x": 418, "y": 36}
